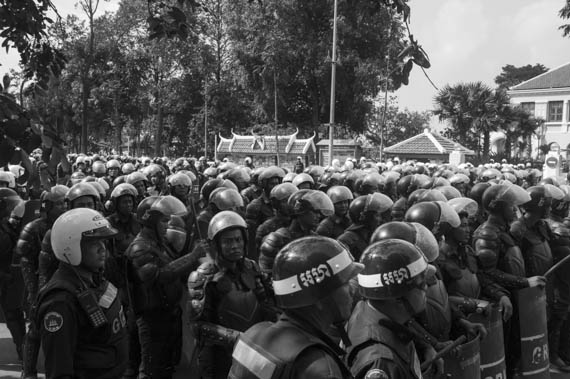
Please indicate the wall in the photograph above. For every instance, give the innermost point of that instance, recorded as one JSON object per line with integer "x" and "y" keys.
{"x": 555, "y": 131}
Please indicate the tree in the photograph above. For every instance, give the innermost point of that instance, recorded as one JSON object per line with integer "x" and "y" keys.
{"x": 399, "y": 125}
{"x": 564, "y": 14}
{"x": 474, "y": 110}
{"x": 511, "y": 75}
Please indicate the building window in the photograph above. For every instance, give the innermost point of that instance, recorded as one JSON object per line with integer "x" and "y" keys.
{"x": 528, "y": 107}
{"x": 555, "y": 111}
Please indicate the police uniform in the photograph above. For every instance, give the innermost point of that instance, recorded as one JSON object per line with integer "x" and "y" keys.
{"x": 378, "y": 351}
{"x": 288, "y": 348}
{"x": 156, "y": 296}
{"x": 73, "y": 346}
{"x": 356, "y": 237}
{"x": 333, "y": 226}
{"x": 235, "y": 299}
{"x": 534, "y": 242}
{"x": 273, "y": 242}
{"x": 270, "y": 225}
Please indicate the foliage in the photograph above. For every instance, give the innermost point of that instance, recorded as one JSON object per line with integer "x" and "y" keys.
{"x": 23, "y": 26}
{"x": 564, "y": 14}
{"x": 474, "y": 110}
{"x": 511, "y": 75}
{"x": 400, "y": 124}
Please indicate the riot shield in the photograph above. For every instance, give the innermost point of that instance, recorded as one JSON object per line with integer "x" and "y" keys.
{"x": 467, "y": 364}
{"x": 492, "y": 350}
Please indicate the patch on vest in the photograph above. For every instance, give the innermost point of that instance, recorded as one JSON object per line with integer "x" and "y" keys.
{"x": 376, "y": 373}
{"x": 53, "y": 322}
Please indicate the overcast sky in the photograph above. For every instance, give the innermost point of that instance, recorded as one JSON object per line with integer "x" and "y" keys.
{"x": 467, "y": 40}
{"x": 470, "y": 40}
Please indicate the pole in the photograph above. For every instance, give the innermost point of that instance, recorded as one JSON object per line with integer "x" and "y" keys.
{"x": 333, "y": 85}
{"x": 276, "y": 124}
{"x": 206, "y": 119}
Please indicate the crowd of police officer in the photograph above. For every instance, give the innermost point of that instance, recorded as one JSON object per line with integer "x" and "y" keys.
{"x": 366, "y": 270}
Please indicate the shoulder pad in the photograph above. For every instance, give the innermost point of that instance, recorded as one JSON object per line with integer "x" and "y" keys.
{"x": 486, "y": 232}
{"x": 518, "y": 229}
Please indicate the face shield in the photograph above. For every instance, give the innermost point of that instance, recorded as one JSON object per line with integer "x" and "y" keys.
{"x": 513, "y": 194}
{"x": 448, "y": 214}
{"x": 176, "y": 233}
{"x": 464, "y": 205}
{"x": 169, "y": 206}
{"x": 319, "y": 201}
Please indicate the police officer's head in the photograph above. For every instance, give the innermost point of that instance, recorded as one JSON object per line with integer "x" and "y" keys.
{"x": 309, "y": 207}
{"x": 123, "y": 198}
{"x": 226, "y": 199}
{"x": 311, "y": 275}
{"x": 227, "y": 232}
{"x": 279, "y": 197}
{"x": 437, "y": 216}
{"x": 370, "y": 210}
{"x": 270, "y": 177}
{"x": 53, "y": 201}
{"x": 154, "y": 213}
{"x": 395, "y": 276}
{"x": 341, "y": 197}
{"x": 303, "y": 181}
{"x": 179, "y": 185}
{"x": 78, "y": 238}
{"x": 82, "y": 195}
{"x": 541, "y": 198}
{"x": 502, "y": 199}
{"x": 9, "y": 199}
{"x": 412, "y": 232}
{"x": 466, "y": 208}
{"x": 139, "y": 181}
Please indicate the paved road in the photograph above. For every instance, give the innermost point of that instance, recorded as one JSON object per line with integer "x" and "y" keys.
{"x": 10, "y": 368}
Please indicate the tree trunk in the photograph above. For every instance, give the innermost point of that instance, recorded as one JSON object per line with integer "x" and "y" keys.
{"x": 486, "y": 143}
{"x": 158, "y": 135}
{"x": 85, "y": 102}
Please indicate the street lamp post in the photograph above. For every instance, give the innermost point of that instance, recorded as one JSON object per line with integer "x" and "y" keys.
{"x": 333, "y": 85}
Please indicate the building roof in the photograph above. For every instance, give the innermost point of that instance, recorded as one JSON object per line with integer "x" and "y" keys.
{"x": 427, "y": 143}
{"x": 338, "y": 142}
{"x": 262, "y": 144}
{"x": 558, "y": 77}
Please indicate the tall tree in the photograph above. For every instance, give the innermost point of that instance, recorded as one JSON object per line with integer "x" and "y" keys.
{"x": 511, "y": 75}
{"x": 474, "y": 110}
{"x": 564, "y": 14}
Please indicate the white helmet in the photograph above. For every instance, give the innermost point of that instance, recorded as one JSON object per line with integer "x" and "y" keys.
{"x": 74, "y": 225}
{"x": 8, "y": 177}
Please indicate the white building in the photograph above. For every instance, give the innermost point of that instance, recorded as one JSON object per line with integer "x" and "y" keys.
{"x": 547, "y": 96}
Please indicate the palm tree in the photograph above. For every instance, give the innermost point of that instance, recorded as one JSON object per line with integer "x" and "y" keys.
{"x": 474, "y": 111}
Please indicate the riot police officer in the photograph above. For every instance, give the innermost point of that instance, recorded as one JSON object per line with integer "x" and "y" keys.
{"x": 235, "y": 295}
{"x": 394, "y": 285}
{"x": 80, "y": 316}
{"x": 310, "y": 280}
{"x": 139, "y": 181}
{"x": 29, "y": 247}
{"x": 366, "y": 212}
{"x": 155, "y": 274}
{"x": 81, "y": 195}
{"x": 308, "y": 209}
{"x": 10, "y": 304}
{"x": 334, "y": 225}
{"x": 279, "y": 196}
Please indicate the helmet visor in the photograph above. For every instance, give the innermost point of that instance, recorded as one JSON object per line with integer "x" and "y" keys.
{"x": 513, "y": 194}
{"x": 554, "y": 192}
{"x": 320, "y": 202}
{"x": 448, "y": 215}
{"x": 464, "y": 205}
{"x": 103, "y": 232}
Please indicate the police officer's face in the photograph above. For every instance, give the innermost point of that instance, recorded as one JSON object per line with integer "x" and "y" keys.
{"x": 93, "y": 254}
{"x": 343, "y": 299}
{"x": 57, "y": 208}
{"x": 125, "y": 204}
{"x": 180, "y": 190}
{"x": 161, "y": 226}
{"x": 113, "y": 172}
{"x": 310, "y": 219}
{"x": 83, "y": 202}
{"x": 304, "y": 185}
{"x": 141, "y": 187}
{"x": 341, "y": 207}
{"x": 232, "y": 245}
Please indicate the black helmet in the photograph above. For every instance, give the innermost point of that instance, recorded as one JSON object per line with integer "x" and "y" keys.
{"x": 541, "y": 198}
{"x": 497, "y": 197}
{"x": 433, "y": 213}
{"x": 477, "y": 191}
{"x": 375, "y": 202}
{"x": 391, "y": 269}
{"x": 311, "y": 200}
{"x": 309, "y": 269}
{"x": 412, "y": 232}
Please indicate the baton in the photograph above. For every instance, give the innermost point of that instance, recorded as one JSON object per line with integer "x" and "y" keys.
{"x": 556, "y": 266}
{"x": 443, "y": 351}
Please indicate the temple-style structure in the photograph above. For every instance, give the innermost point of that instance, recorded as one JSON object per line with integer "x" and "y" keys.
{"x": 263, "y": 149}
